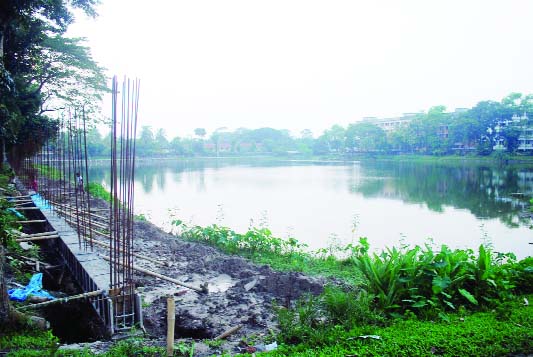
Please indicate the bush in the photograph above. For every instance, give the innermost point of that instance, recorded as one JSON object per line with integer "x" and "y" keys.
{"x": 428, "y": 283}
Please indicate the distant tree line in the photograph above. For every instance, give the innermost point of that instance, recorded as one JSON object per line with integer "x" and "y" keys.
{"x": 487, "y": 127}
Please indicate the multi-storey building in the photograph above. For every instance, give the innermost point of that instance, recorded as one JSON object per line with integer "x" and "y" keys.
{"x": 391, "y": 124}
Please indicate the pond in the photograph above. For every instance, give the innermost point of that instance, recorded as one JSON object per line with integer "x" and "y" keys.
{"x": 323, "y": 203}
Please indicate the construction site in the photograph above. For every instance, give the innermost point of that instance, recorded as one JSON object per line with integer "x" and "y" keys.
{"x": 113, "y": 276}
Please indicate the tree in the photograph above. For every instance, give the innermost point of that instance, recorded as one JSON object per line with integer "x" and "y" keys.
{"x": 365, "y": 137}
{"x": 335, "y": 138}
{"x": 161, "y": 142}
{"x": 96, "y": 146}
{"x": 200, "y": 132}
{"x": 39, "y": 67}
{"x": 146, "y": 143}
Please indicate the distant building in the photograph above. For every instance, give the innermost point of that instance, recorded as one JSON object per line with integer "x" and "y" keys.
{"x": 391, "y": 124}
{"x": 525, "y": 139}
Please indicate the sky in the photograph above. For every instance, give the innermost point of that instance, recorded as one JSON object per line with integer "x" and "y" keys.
{"x": 305, "y": 64}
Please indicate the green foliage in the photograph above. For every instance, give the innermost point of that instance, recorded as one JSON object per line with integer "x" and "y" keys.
{"x": 41, "y": 71}
{"x": 479, "y": 334}
{"x": 184, "y": 349}
{"x": 522, "y": 276}
{"x": 25, "y": 341}
{"x": 365, "y": 137}
{"x": 429, "y": 283}
{"x": 259, "y": 245}
{"x": 97, "y": 190}
{"x": 134, "y": 347}
{"x": 48, "y": 171}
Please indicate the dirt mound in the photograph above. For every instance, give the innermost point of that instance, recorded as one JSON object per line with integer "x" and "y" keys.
{"x": 240, "y": 292}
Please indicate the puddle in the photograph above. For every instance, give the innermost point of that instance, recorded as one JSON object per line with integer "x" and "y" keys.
{"x": 221, "y": 283}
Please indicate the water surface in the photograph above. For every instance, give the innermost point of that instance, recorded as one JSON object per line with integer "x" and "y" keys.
{"x": 324, "y": 203}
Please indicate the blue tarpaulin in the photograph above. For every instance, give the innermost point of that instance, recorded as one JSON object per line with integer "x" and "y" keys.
{"x": 16, "y": 213}
{"x": 40, "y": 201}
{"x": 34, "y": 287}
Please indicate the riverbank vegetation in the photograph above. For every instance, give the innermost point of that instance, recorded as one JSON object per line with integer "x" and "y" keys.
{"x": 42, "y": 71}
{"x": 403, "y": 301}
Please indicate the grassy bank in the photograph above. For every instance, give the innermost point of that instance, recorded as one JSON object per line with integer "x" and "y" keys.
{"x": 476, "y": 334}
{"x": 496, "y": 159}
{"x": 260, "y": 246}
{"x": 400, "y": 302}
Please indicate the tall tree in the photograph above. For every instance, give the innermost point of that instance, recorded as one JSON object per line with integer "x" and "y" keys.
{"x": 365, "y": 137}
{"x": 40, "y": 69}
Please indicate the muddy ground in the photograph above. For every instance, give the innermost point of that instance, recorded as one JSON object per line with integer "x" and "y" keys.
{"x": 240, "y": 293}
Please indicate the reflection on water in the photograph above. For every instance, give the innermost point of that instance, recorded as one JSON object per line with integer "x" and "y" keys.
{"x": 317, "y": 201}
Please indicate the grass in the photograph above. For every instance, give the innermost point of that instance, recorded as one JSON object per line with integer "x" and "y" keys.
{"x": 478, "y": 334}
{"x": 48, "y": 171}
{"x": 28, "y": 342}
{"x": 496, "y": 159}
{"x": 420, "y": 301}
{"x": 97, "y": 190}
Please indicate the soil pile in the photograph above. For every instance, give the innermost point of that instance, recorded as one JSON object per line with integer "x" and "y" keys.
{"x": 240, "y": 293}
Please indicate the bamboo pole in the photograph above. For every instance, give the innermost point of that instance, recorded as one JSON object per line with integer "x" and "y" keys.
{"x": 103, "y": 234}
{"x": 201, "y": 289}
{"x": 32, "y": 259}
{"x": 32, "y": 239}
{"x": 23, "y": 235}
{"x": 21, "y": 203}
{"x": 226, "y": 333}
{"x": 171, "y": 322}
{"x": 82, "y": 219}
{"x": 26, "y": 208}
{"x": 62, "y": 300}
{"x": 84, "y": 212}
{"x": 140, "y": 256}
{"x": 32, "y": 221}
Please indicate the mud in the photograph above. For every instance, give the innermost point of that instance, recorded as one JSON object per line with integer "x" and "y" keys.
{"x": 240, "y": 292}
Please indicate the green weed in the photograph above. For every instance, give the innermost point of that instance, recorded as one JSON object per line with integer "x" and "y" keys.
{"x": 429, "y": 283}
{"x": 260, "y": 246}
{"x": 97, "y": 190}
{"x": 477, "y": 334}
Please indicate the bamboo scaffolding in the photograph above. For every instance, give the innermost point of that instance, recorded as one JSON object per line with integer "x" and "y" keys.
{"x": 20, "y": 240}
{"x": 36, "y": 234}
{"x": 45, "y": 265}
{"x": 202, "y": 289}
{"x": 103, "y": 234}
{"x": 70, "y": 207}
{"x": 82, "y": 219}
{"x": 63, "y": 300}
{"x": 140, "y": 256}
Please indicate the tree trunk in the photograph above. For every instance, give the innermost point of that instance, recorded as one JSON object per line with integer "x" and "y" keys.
{"x": 4, "y": 301}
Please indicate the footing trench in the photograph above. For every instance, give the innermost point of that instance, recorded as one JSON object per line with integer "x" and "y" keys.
{"x": 92, "y": 273}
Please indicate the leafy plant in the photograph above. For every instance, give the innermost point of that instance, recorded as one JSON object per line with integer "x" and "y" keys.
{"x": 430, "y": 283}
{"x": 97, "y": 190}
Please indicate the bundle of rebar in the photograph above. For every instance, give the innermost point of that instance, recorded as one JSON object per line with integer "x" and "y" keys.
{"x": 123, "y": 132}
{"x": 59, "y": 172}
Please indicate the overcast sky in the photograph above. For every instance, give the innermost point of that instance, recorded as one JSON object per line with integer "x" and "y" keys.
{"x": 294, "y": 65}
